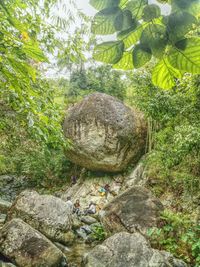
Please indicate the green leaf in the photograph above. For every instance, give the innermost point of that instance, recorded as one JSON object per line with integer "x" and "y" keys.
{"x": 34, "y": 52}
{"x": 109, "y": 52}
{"x": 151, "y": 12}
{"x": 131, "y": 36}
{"x": 192, "y": 6}
{"x": 127, "y": 20}
{"x": 164, "y": 74}
{"x": 154, "y": 36}
{"x": 141, "y": 55}
{"x": 106, "y": 20}
{"x": 178, "y": 24}
{"x": 136, "y": 7}
{"x": 126, "y": 62}
{"x": 186, "y": 55}
{"x": 101, "y": 4}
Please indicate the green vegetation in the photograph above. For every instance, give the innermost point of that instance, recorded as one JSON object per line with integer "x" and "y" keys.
{"x": 157, "y": 52}
{"x": 144, "y": 33}
{"x": 179, "y": 236}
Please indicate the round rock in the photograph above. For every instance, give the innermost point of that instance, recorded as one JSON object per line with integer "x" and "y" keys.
{"x": 106, "y": 134}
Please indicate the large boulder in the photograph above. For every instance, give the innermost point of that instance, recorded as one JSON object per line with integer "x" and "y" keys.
{"x": 134, "y": 209}
{"x": 105, "y": 133}
{"x": 48, "y": 214}
{"x": 129, "y": 250}
{"x": 26, "y": 247}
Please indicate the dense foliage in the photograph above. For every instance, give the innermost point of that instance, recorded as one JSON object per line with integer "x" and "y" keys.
{"x": 144, "y": 33}
{"x": 30, "y": 127}
{"x": 173, "y": 159}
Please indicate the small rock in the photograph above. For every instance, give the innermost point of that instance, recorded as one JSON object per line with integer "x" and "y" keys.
{"x": 88, "y": 220}
{"x": 27, "y": 247}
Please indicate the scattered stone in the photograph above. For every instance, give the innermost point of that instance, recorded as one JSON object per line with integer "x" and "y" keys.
{"x": 27, "y": 247}
{"x": 4, "y": 206}
{"x": 48, "y": 214}
{"x": 88, "y": 220}
{"x": 129, "y": 250}
{"x": 135, "y": 209}
{"x": 105, "y": 133}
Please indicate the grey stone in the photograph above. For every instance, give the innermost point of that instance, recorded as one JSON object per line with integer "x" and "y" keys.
{"x": 134, "y": 209}
{"x": 26, "y": 247}
{"x": 105, "y": 133}
{"x": 129, "y": 250}
{"x": 88, "y": 219}
{"x": 48, "y": 214}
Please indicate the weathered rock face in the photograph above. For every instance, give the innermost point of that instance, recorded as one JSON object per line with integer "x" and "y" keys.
{"x": 48, "y": 214}
{"x": 129, "y": 250}
{"x": 4, "y": 206}
{"x": 26, "y": 247}
{"x": 135, "y": 209}
{"x": 105, "y": 133}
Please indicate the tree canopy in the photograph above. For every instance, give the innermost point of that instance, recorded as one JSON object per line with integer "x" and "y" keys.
{"x": 144, "y": 33}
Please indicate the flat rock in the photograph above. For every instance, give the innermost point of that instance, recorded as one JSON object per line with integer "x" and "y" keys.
{"x": 106, "y": 134}
{"x": 129, "y": 250}
{"x": 88, "y": 219}
{"x": 26, "y": 247}
{"x": 134, "y": 209}
{"x": 48, "y": 214}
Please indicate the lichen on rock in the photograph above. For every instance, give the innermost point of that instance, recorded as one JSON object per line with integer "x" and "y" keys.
{"x": 105, "y": 133}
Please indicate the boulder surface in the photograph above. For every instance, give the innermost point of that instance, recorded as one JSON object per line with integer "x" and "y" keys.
{"x": 129, "y": 250}
{"x": 134, "y": 209}
{"x": 48, "y": 214}
{"x": 105, "y": 133}
{"x": 26, "y": 247}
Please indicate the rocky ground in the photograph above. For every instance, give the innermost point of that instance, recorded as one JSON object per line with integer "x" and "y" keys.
{"x": 39, "y": 230}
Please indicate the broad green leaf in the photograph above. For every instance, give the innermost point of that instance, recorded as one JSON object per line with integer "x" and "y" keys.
{"x": 34, "y": 52}
{"x": 126, "y": 62}
{"x": 136, "y": 7}
{"x": 109, "y": 52}
{"x": 164, "y": 74}
{"x": 128, "y": 20}
{"x": 123, "y": 3}
{"x": 101, "y": 4}
{"x": 178, "y": 24}
{"x": 192, "y": 7}
{"x": 186, "y": 55}
{"x": 154, "y": 36}
{"x": 106, "y": 20}
{"x": 131, "y": 36}
{"x": 183, "y": 4}
{"x": 151, "y": 12}
{"x": 141, "y": 55}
